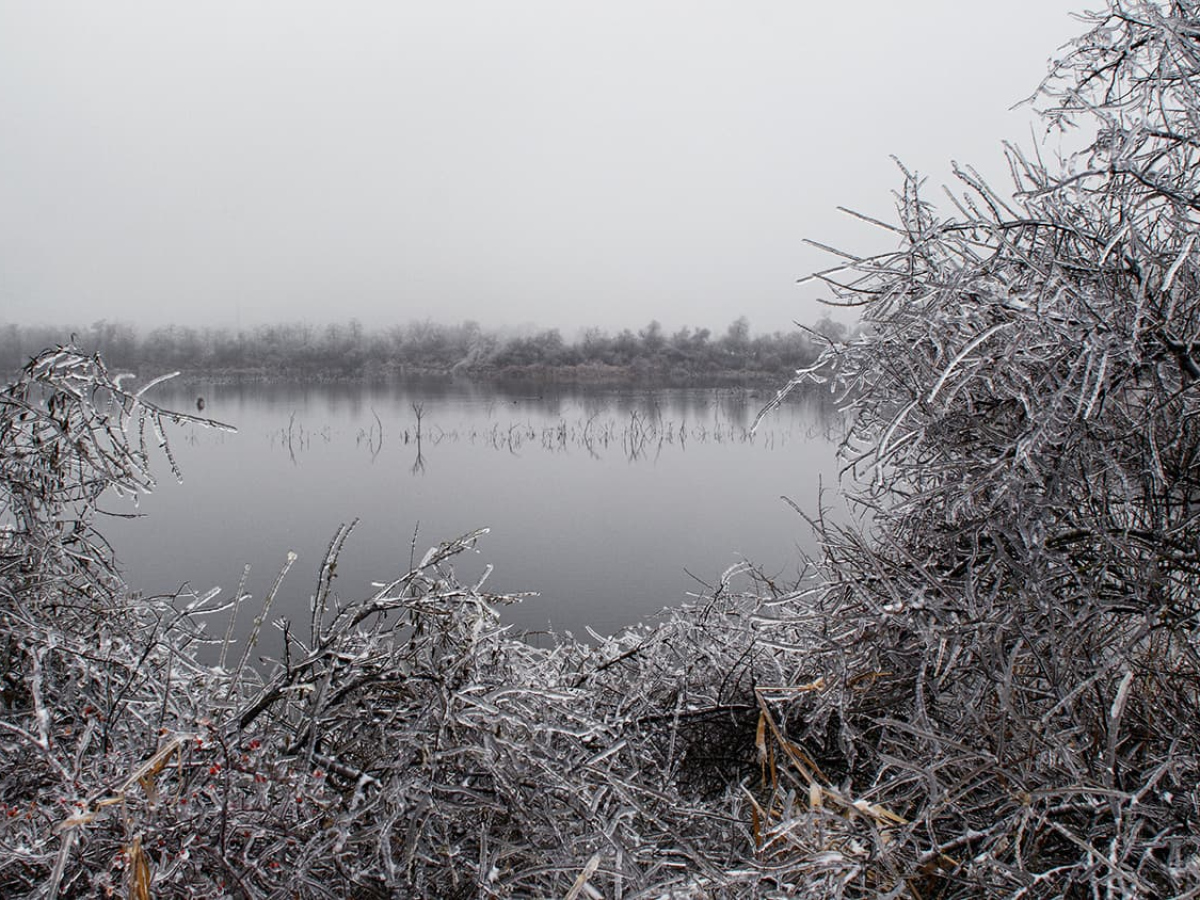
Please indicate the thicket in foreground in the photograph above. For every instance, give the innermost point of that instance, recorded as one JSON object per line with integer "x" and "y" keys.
{"x": 404, "y": 745}
{"x": 990, "y": 690}
{"x": 1011, "y": 654}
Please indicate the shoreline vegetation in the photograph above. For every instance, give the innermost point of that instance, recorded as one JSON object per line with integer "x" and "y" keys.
{"x": 990, "y": 689}
{"x": 347, "y": 351}
{"x": 405, "y": 745}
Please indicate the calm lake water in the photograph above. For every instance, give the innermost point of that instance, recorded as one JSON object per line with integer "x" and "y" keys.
{"x": 611, "y": 503}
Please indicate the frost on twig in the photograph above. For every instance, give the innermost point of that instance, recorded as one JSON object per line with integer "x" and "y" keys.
{"x": 407, "y": 745}
{"x": 1007, "y": 705}
{"x": 69, "y": 432}
{"x": 986, "y": 688}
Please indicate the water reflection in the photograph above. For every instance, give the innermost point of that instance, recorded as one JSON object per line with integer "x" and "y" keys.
{"x": 645, "y": 427}
{"x": 601, "y": 499}
{"x": 639, "y": 436}
{"x": 418, "y": 465}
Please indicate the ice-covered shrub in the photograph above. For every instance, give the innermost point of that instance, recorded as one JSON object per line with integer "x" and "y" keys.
{"x": 403, "y": 745}
{"x": 1011, "y": 667}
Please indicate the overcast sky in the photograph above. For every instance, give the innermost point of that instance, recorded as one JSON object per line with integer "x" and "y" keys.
{"x": 510, "y": 161}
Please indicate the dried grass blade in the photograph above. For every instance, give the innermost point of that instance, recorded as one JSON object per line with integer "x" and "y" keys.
{"x": 139, "y": 871}
{"x": 582, "y": 879}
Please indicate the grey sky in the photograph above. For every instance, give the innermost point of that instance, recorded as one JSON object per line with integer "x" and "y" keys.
{"x": 510, "y": 161}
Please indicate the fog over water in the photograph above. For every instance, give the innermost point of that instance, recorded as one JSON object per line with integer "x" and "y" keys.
{"x": 527, "y": 161}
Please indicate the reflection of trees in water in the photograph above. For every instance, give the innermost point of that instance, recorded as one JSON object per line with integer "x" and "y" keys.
{"x": 495, "y": 399}
{"x": 372, "y": 437}
{"x": 295, "y": 438}
{"x": 418, "y": 465}
{"x": 639, "y": 434}
{"x": 631, "y": 424}
{"x": 635, "y": 436}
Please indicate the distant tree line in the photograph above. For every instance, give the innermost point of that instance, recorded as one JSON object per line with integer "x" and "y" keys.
{"x": 348, "y": 350}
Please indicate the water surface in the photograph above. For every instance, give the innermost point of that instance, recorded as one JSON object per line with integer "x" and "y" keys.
{"x": 611, "y": 503}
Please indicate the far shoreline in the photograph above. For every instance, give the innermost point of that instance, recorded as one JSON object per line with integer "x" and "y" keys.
{"x": 581, "y": 375}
